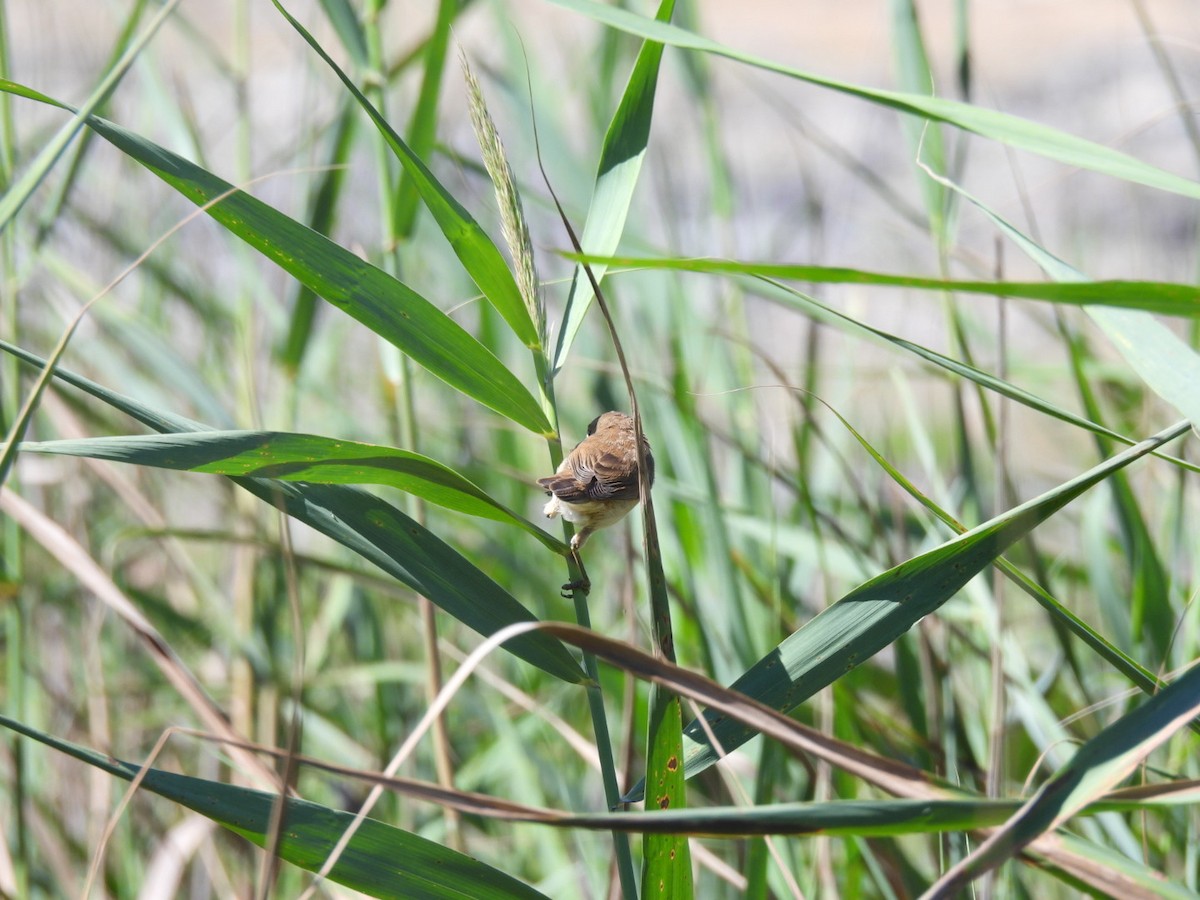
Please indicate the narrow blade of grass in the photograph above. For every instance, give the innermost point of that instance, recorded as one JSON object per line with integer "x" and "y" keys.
{"x": 1168, "y": 365}
{"x": 1164, "y": 297}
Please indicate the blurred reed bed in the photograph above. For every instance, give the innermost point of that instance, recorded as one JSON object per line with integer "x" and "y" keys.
{"x": 898, "y": 364}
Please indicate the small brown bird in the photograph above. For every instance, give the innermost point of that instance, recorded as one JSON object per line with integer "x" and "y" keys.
{"x": 597, "y": 484}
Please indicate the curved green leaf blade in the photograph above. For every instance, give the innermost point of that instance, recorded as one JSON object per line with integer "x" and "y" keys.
{"x": 1138, "y": 674}
{"x": 380, "y": 860}
{"x": 876, "y": 613}
{"x": 385, "y": 305}
{"x": 311, "y": 458}
{"x": 852, "y": 818}
{"x": 621, "y": 158}
{"x": 378, "y": 532}
{"x": 478, "y": 254}
{"x": 988, "y": 123}
{"x": 1098, "y": 766}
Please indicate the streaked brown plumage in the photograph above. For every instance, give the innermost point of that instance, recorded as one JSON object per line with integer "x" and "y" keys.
{"x": 597, "y": 484}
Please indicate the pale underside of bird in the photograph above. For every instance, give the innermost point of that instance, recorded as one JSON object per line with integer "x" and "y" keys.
{"x": 597, "y": 484}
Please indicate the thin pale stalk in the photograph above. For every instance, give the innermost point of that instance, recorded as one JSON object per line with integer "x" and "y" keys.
{"x": 665, "y": 711}
{"x": 15, "y": 618}
{"x": 595, "y": 696}
{"x": 999, "y": 704}
{"x": 516, "y": 232}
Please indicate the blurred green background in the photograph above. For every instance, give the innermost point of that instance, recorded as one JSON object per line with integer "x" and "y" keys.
{"x": 768, "y": 507}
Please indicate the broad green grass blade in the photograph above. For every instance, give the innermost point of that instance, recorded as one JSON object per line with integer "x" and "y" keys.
{"x": 1101, "y": 764}
{"x": 14, "y": 198}
{"x": 380, "y": 861}
{"x": 620, "y": 164}
{"x": 1164, "y": 297}
{"x": 667, "y": 863}
{"x": 667, "y": 858}
{"x": 1008, "y": 129}
{"x": 299, "y": 457}
{"x": 378, "y": 532}
{"x": 385, "y": 305}
{"x": 474, "y": 249}
{"x": 873, "y": 615}
{"x": 1130, "y": 668}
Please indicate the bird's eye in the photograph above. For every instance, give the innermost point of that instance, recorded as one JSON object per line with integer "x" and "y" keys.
{"x": 592, "y": 427}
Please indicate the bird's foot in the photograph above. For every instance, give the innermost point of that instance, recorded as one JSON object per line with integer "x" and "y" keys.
{"x": 579, "y": 584}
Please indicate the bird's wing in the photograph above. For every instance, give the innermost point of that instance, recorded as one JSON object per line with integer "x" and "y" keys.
{"x": 606, "y": 477}
{"x": 562, "y": 483}
{"x": 565, "y": 487}
{"x": 613, "y": 479}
